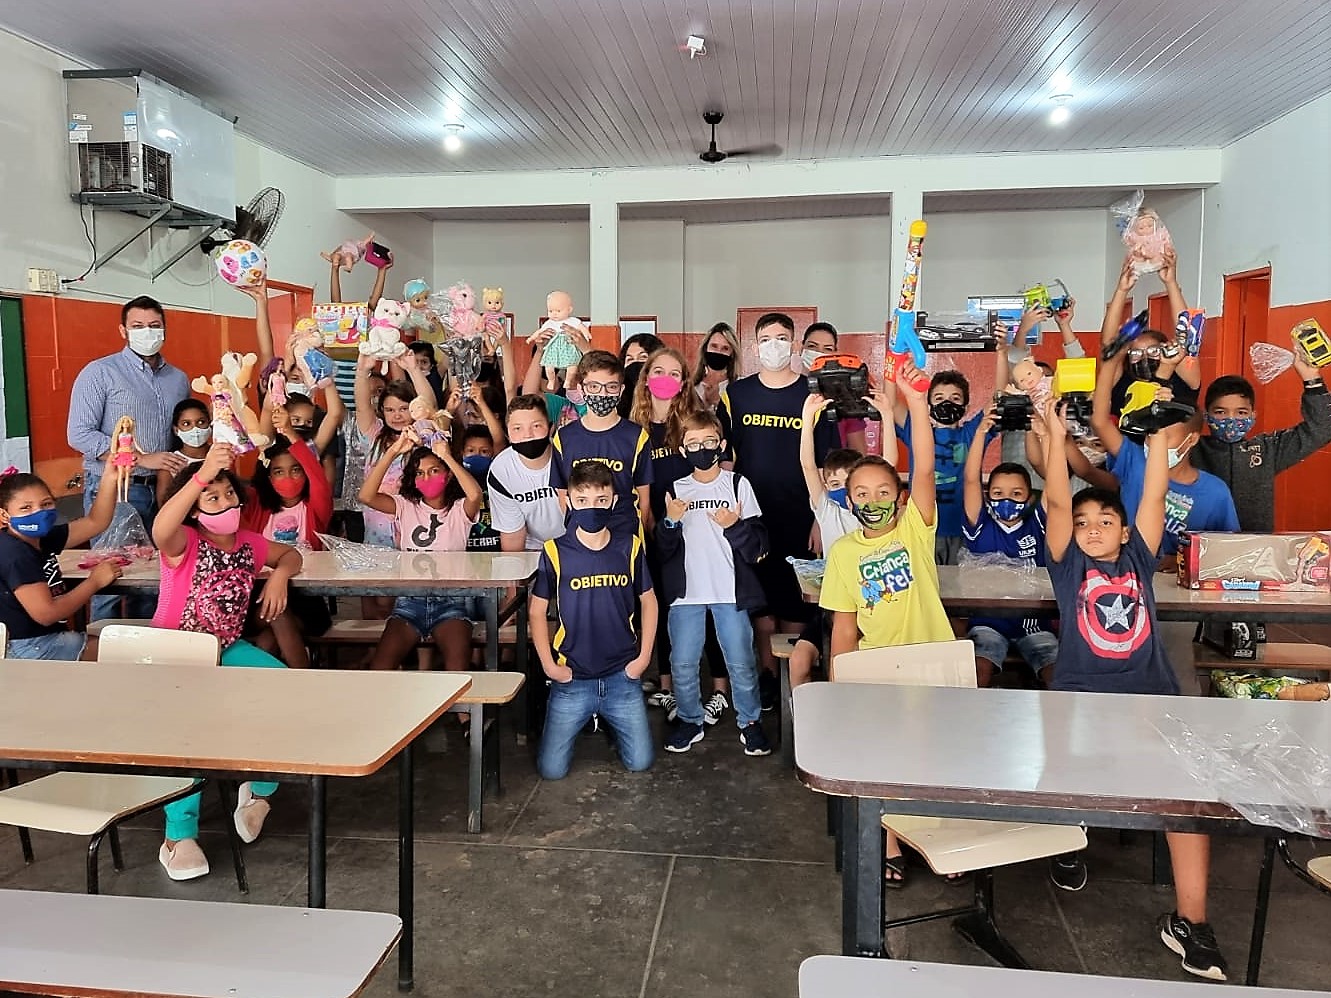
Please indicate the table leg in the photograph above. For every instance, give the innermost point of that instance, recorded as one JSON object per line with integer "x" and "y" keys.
{"x": 1259, "y": 913}
{"x": 492, "y": 630}
{"x": 525, "y": 699}
{"x": 476, "y": 775}
{"x": 787, "y": 715}
{"x": 406, "y": 898}
{"x": 1162, "y": 868}
{"x": 316, "y": 889}
{"x": 862, "y": 878}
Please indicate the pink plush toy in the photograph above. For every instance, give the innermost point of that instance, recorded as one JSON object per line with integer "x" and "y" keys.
{"x": 460, "y": 316}
{"x": 349, "y": 253}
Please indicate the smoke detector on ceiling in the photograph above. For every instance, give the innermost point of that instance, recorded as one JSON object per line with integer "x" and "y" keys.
{"x": 696, "y": 46}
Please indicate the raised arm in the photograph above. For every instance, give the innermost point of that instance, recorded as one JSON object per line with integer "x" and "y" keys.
{"x": 262, "y": 327}
{"x": 972, "y": 490}
{"x": 813, "y": 480}
{"x": 1169, "y": 277}
{"x": 471, "y": 489}
{"x": 1057, "y": 485}
{"x": 1102, "y": 418}
{"x": 366, "y": 417}
{"x": 422, "y": 385}
{"x": 167, "y": 533}
{"x": 1071, "y": 345}
{"x": 370, "y": 494}
{"x": 492, "y": 423}
{"x": 1127, "y": 280}
{"x": 922, "y": 486}
{"x": 335, "y": 282}
{"x": 377, "y": 292}
{"x": 335, "y": 414}
{"x": 1151, "y": 511}
{"x": 887, "y": 433}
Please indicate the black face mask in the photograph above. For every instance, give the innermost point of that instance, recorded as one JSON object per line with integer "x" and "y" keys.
{"x": 488, "y": 371}
{"x": 947, "y": 412}
{"x": 632, "y": 372}
{"x": 703, "y": 458}
{"x": 305, "y": 433}
{"x": 716, "y": 361}
{"x": 531, "y": 449}
{"x": 1144, "y": 369}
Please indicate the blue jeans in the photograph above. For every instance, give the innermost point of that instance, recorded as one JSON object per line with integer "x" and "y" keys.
{"x": 62, "y": 646}
{"x": 618, "y": 701}
{"x": 687, "y": 629}
{"x": 143, "y": 497}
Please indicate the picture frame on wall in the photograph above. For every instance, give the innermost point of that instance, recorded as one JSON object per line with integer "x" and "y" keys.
{"x": 635, "y": 325}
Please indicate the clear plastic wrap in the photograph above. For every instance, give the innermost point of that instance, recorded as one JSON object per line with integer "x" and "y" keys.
{"x": 1269, "y": 361}
{"x": 1270, "y": 775}
{"x": 359, "y": 559}
{"x": 1003, "y": 574}
{"x": 1144, "y": 234}
{"x": 809, "y": 571}
{"x": 125, "y": 541}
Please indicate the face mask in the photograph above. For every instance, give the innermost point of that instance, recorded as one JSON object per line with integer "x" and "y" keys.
{"x": 477, "y": 464}
{"x": 808, "y": 357}
{"x": 223, "y": 523}
{"x": 632, "y": 372}
{"x": 716, "y": 361}
{"x": 875, "y": 514}
{"x": 36, "y": 525}
{"x": 664, "y": 387}
{"x": 488, "y": 371}
{"x": 289, "y": 488}
{"x": 1006, "y": 509}
{"x": 840, "y": 497}
{"x": 305, "y": 433}
{"x": 147, "y": 342}
{"x": 1144, "y": 369}
{"x": 196, "y": 437}
{"x": 1230, "y": 429}
{"x": 602, "y": 405}
{"x": 432, "y": 487}
{"x": 298, "y": 388}
{"x": 531, "y": 449}
{"x": 1175, "y": 455}
{"x": 703, "y": 458}
{"x": 946, "y": 412}
{"x": 774, "y": 355}
{"x": 592, "y": 519}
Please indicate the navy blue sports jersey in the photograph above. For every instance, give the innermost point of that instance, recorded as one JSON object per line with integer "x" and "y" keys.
{"x": 1024, "y": 544}
{"x": 624, "y": 448}
{"x": 595, "y": 595}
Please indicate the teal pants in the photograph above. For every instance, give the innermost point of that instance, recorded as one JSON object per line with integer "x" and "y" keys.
{"x": 182, "y": 817}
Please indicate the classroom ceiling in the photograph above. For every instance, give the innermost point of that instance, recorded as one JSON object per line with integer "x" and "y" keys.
{"x": 358, "y": 88}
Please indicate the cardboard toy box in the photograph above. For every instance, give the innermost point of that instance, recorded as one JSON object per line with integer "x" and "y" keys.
{"x": 1296, "y": 562}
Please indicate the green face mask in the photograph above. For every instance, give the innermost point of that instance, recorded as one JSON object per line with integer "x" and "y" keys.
{"x": 875, "y": 514}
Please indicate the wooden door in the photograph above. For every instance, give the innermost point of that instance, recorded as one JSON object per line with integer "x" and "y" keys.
{"x": 746, "y": 318}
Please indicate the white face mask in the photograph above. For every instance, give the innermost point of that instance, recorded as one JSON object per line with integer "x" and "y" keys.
{"x": 774, "y": 354}
{"x": 298, "y": 388}
{"x": 196, "y": 437}
{"x": 147, "y": 342}
{"x": 1175, "y": 455}
{"x": 808, "y": 358}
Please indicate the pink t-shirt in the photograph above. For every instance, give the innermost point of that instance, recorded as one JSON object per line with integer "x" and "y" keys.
{"x": 289, "y": 525}
{"x": 421, "y": 528}
{"x": 209, "y": 591}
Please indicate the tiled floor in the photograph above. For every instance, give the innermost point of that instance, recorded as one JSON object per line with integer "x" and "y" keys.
{"x": 709, "y": 876}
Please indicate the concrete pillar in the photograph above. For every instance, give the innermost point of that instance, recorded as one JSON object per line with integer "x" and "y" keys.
{"x": 605, "y": 261}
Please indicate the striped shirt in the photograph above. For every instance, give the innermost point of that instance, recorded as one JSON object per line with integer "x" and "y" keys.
{"x": 123, "y": 384}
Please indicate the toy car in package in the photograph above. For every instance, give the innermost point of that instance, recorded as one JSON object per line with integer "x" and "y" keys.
{"x": 1294, "y": 562}
{"x": 955, "y": 331}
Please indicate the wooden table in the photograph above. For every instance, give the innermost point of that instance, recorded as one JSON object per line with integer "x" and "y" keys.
{"x": 847, "y": 977}
{"x": 98, "y": 945}
{"x": 1015, "y": 755}
{"x": 248, "y": 724}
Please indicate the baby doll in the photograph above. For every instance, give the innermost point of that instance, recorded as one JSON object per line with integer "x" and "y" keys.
{"x": 1028, "y": 379}
{"x": 1147, "y": 240}
{"x": 315, "y": 366}
{"x": 565, "y": 348}
{"x": 492, "y": 301}
{"x": 421, "y": 319}
{"x": 430, "y": 426}
{"x": 385, "y": 339}
{"x": 126, "y": 456}
{"x": 349, "y": 253}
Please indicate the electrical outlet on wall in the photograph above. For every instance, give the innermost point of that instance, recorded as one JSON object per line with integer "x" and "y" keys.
{"x": 43, "y": 281}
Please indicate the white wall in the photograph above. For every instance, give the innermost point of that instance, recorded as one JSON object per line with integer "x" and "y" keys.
{"x": 1183, "y": 213}
{"x": 651, "y": 271}
{"x": 1273, "y": 206}
{"x": 527, "y": 259}
{"x": 1000, "y": 252}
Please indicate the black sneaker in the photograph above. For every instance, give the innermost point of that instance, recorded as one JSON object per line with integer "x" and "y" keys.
{"x": 754, "y": 740}
{"x": 769, "y": 690}
{"x": 683, "y": 737}
{"x": 1068, "y": 872}
{"x": 1195, "y": 943}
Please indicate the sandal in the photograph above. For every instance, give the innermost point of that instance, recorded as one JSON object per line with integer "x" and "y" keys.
{"x": 953, "y": 879}
{"x": 894, "y": 872}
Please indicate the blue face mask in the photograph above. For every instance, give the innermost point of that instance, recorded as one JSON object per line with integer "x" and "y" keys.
{"x": 592, "y": 519}
{"x": 1230, "y": 430}
{"x": 839, "y": 497}
{"x": 477, "y": 464}
{"x": 1007, "y": 509}
{"x": 36, "y": 525}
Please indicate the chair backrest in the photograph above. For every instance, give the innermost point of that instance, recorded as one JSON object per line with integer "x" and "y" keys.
{"x": 4, "y": 640}
{"x": 937, "y": 663}
{"x": 127, "y": 645}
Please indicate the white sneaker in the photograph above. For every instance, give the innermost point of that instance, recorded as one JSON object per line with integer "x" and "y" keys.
{"x": 250, "y": 814}
{"x": 184, "y": 861}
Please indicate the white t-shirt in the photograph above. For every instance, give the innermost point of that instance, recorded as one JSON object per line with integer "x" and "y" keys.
{"x": 709, "y": 562}
{"x": 521, "y": 497}
{"x": 833, "y": 522}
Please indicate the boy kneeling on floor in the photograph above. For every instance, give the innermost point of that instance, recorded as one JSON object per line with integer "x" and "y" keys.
{"x": 595, "y": 662}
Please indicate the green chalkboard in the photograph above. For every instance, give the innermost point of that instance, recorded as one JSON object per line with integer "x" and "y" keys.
{"x": 15, "y": 370}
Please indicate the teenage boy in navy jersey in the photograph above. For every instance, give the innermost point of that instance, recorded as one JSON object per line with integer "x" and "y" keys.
{"x": 594, "y": 573}
{"x": 761, "y": 417}
{"x": 603, "y": 436}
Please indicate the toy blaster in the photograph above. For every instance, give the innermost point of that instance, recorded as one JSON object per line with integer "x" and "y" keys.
{"x": 1144, "y": 414}
{"x": 1052, "y": 297}
{"x": 1074, "y": 384}
{"x": 1129, "y": 331}
{"x": 1191, "y": 322}
{"x": 842, "y": 379}
{"x": 1313, "y": 343}
{"x": 905, "y": 344}
{"x": 1013, "y": 412}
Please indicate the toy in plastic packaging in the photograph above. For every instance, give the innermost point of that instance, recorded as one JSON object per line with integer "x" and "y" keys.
{"x": 809, "y": 572}
{"x": 359, "y": 558}
{"x": 242, "y": 264}
{"x": 124, "y": 542}
{"x": 1052, "y": 296}
{"x": 464, "y": 355}
{"x": 1292, "y": 562}
{"x": 1144, "y": 234}
{"x": 842, "y": 379}
{"x": 1074, "y": 384}
{"x": 1249, "y": 686}
{"x": 1310, "y": 340}
{"x": 1188, "y": 330}
{"x": 456, "y": 308}
{"x": 1270, "y": 775}
{"x": 998, "y": 573}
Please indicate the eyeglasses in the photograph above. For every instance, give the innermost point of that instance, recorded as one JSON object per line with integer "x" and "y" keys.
{"x": 711, "y": 443}
{"x": 1137, "y": 353}
{"x": 600, "y": 388}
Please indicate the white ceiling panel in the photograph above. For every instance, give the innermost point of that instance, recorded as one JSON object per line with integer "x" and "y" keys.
{"x": 358, "y": 88}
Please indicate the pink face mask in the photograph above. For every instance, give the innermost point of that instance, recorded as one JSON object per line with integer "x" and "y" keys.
{"x": 433, "y": 487}
{"x": 223, "y": 523}
{"x": 664, "y": 387}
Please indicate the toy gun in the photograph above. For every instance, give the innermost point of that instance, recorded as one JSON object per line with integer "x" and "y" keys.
{"x": 1052, "y": 297}
{"x": 1143, "y": 414}
{"x": 1074, "y": 384}
{"x": 905, "y": 344}
{"x": 1129, "y": 331}
{"x": 1191, "y": 322}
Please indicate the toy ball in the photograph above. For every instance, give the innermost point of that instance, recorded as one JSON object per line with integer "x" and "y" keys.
{"x": 242, "y": 264}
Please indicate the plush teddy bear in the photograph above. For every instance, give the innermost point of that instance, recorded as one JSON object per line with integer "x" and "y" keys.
{"x": 315, "y": 366}
{"x": 385, "y": 339}
{"x": 457, "y": 308}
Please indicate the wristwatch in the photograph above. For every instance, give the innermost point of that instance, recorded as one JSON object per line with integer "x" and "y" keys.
{"x": 671, "y": 524}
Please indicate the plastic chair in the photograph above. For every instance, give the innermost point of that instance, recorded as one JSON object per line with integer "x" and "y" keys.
{"x": 957, "y": 845}
{"x": 93, "y": 804}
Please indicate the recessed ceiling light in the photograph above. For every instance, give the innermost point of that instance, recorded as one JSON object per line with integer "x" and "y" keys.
{"x": 1061, "y": 112}
{"x": 453, "y": 137}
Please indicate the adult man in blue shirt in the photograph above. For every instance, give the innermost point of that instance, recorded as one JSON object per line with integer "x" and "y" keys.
{"x": 139, "y": 383}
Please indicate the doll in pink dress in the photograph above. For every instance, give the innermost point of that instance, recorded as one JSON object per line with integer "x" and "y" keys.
{"x": 126, "y": 456}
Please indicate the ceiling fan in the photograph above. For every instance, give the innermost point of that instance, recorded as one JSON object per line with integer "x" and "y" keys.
{"x": 714, "y": 155}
